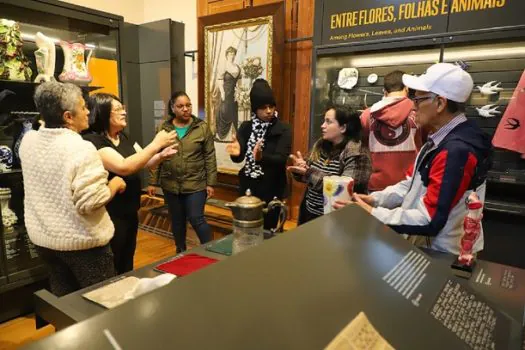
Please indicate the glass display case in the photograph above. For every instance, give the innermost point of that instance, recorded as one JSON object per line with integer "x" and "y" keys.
{"x": 52, "y": 46}
{"x": 42, "y": 41}
{"x": 20, "y": 257}
{"x": 490, "y": 58}
{"x": 366, "y": 88}
{"x": 501, "y": 62}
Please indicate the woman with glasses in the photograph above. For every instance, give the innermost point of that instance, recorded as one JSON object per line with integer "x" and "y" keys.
{"x": 338, "y": 152}
{"x": 122, "y": 157}
{"x": 187, "y": 178}
{"x": 66, "y": 189}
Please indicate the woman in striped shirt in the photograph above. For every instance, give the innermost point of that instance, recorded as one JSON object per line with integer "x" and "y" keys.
{"x": 338, "y": 152}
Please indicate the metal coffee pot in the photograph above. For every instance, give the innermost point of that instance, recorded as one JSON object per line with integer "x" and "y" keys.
{"x": 248, "y": 218}
{"x": 248, "y": 211}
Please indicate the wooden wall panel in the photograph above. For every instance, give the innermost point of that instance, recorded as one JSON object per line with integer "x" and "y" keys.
{"x": 222, "y": 6}
{"x": 288, "y": 72}
{"x": 264, "y": 2}
{"x": 211, "y": 7}
{"x": 302, "y": 88}
{"x": 202, "y": 8}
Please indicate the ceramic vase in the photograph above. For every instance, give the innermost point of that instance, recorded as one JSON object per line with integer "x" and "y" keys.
{"x": 75, "y": 65}
{"x": 8, "y": 216}
{"x": 45, "y": 58}
{"x": 6, "y": 159}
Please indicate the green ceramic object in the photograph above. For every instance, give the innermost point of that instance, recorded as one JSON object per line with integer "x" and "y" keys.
{"x": 13, "y": 63}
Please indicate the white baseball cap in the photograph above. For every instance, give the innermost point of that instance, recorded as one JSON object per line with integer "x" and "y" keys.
{"x": 444, "y": 79}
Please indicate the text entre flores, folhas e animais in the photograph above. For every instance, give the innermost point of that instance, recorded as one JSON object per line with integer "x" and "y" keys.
{"x": 410, "y": 10}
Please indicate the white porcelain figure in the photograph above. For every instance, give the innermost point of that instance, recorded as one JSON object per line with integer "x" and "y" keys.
{"x": 45, "y": 58}
{"x": 347, "y": 78}
{"x": 488, "y": 111}
{"x": 490, "y": 88}
{"x": 75, "y": 67}
{"x": 8, "y": 216}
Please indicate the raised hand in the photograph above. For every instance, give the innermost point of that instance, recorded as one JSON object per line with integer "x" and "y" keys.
{"x": 164, "y": 138}
{"x": 257, "y": 151}
{"x": 299, "y": 170}
{"x": 168, "y": 152}
{"x": 298, "y": 159}
{"x": 300, "y": 166}
{"x": 234, "y": 148}
{"x": 152, "y": 190}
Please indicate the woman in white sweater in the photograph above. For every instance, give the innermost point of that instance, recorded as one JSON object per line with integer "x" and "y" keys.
{"x": 66, "y": 189}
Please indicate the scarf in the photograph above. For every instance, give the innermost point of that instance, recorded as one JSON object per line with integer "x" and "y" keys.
{"x": 259, "y": 128}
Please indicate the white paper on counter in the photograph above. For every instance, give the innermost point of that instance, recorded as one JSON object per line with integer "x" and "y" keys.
{"x": 359, "y": 334}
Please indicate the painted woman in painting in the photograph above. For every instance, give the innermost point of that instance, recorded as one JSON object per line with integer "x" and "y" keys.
{"x": 228, "y": 112}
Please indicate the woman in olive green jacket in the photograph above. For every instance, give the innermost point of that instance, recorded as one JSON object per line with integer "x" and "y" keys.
{"x": 187, "y": 177}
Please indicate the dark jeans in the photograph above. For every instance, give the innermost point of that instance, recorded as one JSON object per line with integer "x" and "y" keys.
{"x": 304, "y": 214}
{"x": 124, "y": 241}
{"x": 184, "y": 207}
{"x": 77, "y": 269}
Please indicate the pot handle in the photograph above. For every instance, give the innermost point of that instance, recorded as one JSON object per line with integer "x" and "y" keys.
{"x": 283, "y": 214}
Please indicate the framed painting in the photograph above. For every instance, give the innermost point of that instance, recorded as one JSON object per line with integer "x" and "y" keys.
{"x": 238, "y": 50}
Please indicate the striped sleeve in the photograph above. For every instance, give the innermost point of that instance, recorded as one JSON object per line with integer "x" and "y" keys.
{"x": 318, "y": 170}
{"x": 450, "y": 175}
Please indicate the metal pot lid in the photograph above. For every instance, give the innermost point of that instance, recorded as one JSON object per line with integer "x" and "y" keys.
{"x": 248, "y": 201}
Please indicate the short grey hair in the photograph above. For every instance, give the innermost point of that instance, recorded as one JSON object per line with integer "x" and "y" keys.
{"x": 52, "y": 99}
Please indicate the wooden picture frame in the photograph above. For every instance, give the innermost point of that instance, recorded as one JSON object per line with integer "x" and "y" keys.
{"x": 236, "y": 48}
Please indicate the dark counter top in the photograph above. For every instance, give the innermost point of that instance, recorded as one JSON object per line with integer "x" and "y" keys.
{"x": 298, "y": 291}
{"x": 65, "y": 311}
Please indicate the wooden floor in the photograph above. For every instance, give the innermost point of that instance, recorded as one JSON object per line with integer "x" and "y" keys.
{"x": 150, "y": 248}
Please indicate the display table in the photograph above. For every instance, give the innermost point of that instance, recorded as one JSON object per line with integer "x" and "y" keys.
{"x": 65, "y": 311}
{"x": 505, "y": 285}
{"x": 300, "y": 289}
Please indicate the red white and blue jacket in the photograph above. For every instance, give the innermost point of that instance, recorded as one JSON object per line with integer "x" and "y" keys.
{"x": 431, "y": 200}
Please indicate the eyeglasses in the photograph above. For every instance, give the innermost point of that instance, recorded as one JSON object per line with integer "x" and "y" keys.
{"x": 119, "y": 110}
{"x": 417, "y": 99}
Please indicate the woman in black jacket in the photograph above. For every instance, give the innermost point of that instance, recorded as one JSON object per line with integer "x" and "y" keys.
{"x": 265, "y": 143}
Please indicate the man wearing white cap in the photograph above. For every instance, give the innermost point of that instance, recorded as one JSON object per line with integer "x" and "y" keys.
{"x": 452, "y": 164}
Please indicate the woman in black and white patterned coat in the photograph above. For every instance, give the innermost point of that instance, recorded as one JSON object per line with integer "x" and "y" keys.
{"x": 265, "y": 143}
